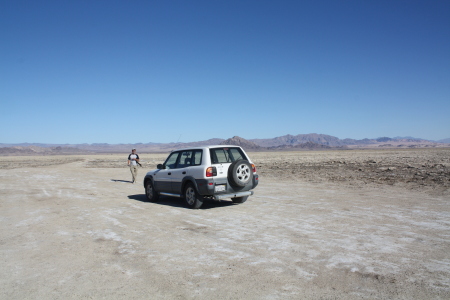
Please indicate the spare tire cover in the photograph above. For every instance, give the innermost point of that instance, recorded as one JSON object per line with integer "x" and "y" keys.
{"x": 240, "y": 173}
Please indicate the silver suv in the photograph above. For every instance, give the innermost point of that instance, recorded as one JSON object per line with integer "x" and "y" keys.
{"x": 196, "y": 174}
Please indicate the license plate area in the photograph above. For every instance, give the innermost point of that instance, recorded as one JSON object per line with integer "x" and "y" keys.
{"x": 220, "y": 188}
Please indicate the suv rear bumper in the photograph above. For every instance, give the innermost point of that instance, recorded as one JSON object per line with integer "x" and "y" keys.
{"x": 206, "y": 187}
{"x": 239, "y": 194}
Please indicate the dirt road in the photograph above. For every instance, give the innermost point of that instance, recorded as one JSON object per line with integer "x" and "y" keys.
{"x": 75, "y": 227}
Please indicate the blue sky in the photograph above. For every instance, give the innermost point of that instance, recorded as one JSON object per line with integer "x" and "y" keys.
{"x": 162, "y": 71}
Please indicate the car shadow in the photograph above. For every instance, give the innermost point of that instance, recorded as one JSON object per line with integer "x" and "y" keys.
{"x": 119, "y": 180}
{"x": 178, "y": 202}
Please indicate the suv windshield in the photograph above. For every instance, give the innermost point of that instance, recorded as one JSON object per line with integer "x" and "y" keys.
{"x": 226, "y": 155}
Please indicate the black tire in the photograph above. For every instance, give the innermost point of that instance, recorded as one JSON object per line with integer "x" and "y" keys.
{"x": 239, "y": 199}
{"x": 240, "y": 173}
{"x": 191, "y": 197}
{"x": 150, "y": 192}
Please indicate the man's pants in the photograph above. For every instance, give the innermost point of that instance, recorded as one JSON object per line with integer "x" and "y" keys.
{"x": 133, "y": 170}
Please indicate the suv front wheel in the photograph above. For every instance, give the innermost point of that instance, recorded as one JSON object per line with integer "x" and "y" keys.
{"x": 192, "y": 198}
{"x": 150, "y": 192}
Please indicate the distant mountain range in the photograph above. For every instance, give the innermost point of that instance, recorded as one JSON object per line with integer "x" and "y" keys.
{"x": 312, "y": 141}
{"x": 332, "y": 141}
{"x": 445, "y": 141}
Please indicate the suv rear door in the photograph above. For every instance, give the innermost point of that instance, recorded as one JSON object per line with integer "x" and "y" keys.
{"x": 186, "y": 160}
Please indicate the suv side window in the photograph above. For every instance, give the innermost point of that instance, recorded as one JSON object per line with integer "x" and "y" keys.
{"x": 185, "y": 159}
{"x": 226, "y": 155}
{"x": 189, "y": 158}
{"x": 171, "y": 161}
{"x": 197, "y": 157}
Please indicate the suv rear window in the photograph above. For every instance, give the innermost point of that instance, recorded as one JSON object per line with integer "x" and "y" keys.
{"x": 226, "y": 155}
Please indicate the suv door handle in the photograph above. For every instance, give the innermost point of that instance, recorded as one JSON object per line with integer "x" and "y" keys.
{"x": 184, "y": 172}
{"x": 169, "y": 174}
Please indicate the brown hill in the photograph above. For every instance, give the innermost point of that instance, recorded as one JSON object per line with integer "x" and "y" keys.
{"x": 304, "y": 146}
{"x": 293, "y": 140}
{"x": 238, "y": 141}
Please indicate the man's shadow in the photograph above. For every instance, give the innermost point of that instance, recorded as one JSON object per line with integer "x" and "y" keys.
{"x": 179, "y": 202}
{"x": 119, "y": 180}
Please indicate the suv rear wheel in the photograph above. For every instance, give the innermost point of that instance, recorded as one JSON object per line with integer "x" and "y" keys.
{"x": 192, "y": 198}
{"x": 240, "y": 173}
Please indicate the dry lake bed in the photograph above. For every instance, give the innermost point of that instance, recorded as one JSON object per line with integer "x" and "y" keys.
{"x": 356, "y": 224}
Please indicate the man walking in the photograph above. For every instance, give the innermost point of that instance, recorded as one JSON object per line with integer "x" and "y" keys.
{"x": 133, "y": 160}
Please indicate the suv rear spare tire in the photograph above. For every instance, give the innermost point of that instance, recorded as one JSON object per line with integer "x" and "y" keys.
{"x": 240, "y": 173}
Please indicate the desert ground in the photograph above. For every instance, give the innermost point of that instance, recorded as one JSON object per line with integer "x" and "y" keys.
{"x": 356, "y": 224}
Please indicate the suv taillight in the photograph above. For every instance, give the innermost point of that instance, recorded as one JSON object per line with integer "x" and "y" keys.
{"x": 211, "y": 171}
{"x": 254, "y": 168}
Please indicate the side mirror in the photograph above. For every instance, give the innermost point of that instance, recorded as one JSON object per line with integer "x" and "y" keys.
{"x": 160, "y": 167}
